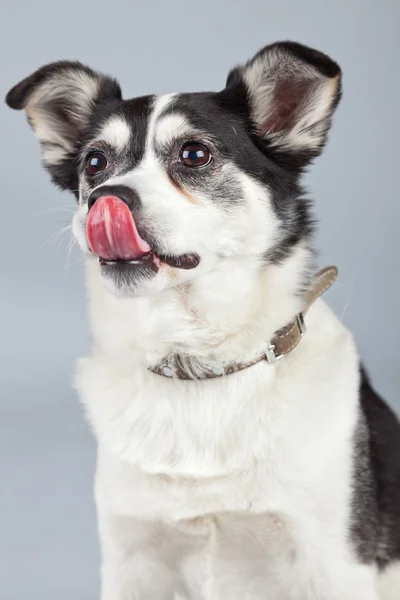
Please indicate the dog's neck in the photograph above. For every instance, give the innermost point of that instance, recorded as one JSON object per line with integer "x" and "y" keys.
{"x": 229, "y": 313}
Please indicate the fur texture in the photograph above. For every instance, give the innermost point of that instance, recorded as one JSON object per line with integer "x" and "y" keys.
{"x": 276, "y": 483}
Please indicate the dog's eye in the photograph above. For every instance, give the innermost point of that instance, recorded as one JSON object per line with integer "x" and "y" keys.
{"x": 96, "y": 162}
{"x": 195, "y": 155}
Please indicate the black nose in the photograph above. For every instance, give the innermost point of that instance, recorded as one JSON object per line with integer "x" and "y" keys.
{"x": 123, "y": 192}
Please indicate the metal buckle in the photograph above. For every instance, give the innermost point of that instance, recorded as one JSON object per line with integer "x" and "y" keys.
{"x": 270, "y": 354}
{"x": 301, "y": 324}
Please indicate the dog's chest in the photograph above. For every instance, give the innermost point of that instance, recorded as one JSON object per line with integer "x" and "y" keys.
{"x": 211, "y": 557}
{"x": 232, "y": 537}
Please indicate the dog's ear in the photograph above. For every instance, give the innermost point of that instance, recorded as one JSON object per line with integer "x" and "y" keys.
{"x": 290, "y": 92}
{"x": 59, "y": 100}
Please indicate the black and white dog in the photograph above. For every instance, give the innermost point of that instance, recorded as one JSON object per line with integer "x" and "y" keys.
{"x": 223, "y": 473}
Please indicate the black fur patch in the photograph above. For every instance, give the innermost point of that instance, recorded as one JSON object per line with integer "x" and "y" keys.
{"x": 376, "y": 504}
{"x": 19, "y": 95}
{"x": 322, "y": 62}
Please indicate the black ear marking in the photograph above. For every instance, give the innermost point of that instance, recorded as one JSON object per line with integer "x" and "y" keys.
{"x": 18, "y": 97}
{"x": 317, "y": 59}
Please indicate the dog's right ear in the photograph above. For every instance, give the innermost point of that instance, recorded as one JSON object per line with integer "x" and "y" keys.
{"x": 59, "y": 100}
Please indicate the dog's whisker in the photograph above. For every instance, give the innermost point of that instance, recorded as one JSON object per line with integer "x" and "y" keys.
{"x": 71, "y": 244}
{"x": 338, "y": 285}
{"x": 56, "y": 235}
{"x": 65, "y": 208}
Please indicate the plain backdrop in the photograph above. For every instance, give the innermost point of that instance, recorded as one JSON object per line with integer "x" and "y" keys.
{"x": 48, "y": 540}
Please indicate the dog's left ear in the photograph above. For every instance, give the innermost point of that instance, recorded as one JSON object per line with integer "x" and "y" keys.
{"x": 60, "y": 100}
{"x": 291, "y": 92}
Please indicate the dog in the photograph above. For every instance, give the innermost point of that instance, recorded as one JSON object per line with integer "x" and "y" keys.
{"x": 242, "y": 452}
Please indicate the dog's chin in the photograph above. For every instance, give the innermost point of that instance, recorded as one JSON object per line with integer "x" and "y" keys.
{"x": 141, "y": 278}
{"x": 128, "y": 279}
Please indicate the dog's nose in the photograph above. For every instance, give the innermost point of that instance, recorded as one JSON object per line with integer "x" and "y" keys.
{"x": 123, "y": 192}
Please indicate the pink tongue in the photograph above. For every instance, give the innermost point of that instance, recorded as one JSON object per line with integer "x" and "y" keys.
{"x": 112, "y": 232}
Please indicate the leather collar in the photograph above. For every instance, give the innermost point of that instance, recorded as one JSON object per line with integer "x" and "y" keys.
{"x": 284, "y": 341}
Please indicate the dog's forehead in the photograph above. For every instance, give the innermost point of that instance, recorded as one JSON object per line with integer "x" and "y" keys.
{"x": 156, "y": 120}
{"x": 139, "y": 122}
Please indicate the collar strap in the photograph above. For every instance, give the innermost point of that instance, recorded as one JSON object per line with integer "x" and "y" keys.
{"x": 284, "y": 341}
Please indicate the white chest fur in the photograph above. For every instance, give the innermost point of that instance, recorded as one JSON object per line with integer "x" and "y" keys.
{"x": 226, "y": 481}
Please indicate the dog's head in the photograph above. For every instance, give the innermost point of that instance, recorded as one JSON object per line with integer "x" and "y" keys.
{"x": 170, "y": 187}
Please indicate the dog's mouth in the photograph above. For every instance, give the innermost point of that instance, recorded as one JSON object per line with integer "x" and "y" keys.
{"x": 114, "y": 238}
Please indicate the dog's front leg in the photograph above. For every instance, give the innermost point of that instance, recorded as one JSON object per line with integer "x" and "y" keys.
{"x": 138, "y": 579}
{"x": 138, "y": 562}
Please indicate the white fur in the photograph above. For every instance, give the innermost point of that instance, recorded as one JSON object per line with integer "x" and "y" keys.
{"x": 389, "y": 582}
{"x": 116, "y": 133}
{"x": 236, "y": 488}
{"x": 155, "y": 122}
{"x": 168, "y": 127}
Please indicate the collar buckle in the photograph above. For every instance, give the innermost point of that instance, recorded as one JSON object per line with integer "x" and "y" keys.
{"x": 301, "y": 323}
{"x": 271, "y": 356}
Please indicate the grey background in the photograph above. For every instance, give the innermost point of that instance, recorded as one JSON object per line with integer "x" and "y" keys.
{"x": 48, "y": 545}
